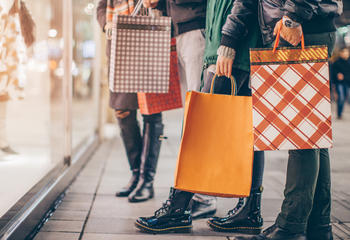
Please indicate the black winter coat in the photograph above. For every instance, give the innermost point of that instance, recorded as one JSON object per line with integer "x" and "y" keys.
{"x": 186, "y": 15}
{"x": 316, "y": 16}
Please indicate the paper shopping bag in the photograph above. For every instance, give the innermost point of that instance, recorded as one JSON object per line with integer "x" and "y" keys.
{"x": 216, "y": 152}
{"x": 151, "y": 103}
{"x": 291, "y": 98}
{"x": 140, "y": 54}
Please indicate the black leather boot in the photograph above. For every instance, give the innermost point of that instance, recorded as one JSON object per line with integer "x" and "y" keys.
{"x": 125, "y": 191}
{"x": 172, "y": 217}
{"x": 322, "y": 232}
{"x": 274, "y": 233}
{"x": 149, "y": 160}
{"x": 246, "y": 219}
{"x": 233, "y": 211}
{"x": 131, "y": 136}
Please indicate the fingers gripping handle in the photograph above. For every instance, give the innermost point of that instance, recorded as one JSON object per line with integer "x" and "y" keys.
{"x": 278, "y": 36}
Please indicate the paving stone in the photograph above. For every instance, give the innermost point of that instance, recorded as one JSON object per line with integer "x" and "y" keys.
{"x": 93, "y": 236}
{"x": 69, "y": 215}
{"x": 76, "y": 197}
{"x": 76, "y": 206}
{"x": 56, "y": 236}
{"x": 341, "y": 231}
{"x": 63, "y": 226}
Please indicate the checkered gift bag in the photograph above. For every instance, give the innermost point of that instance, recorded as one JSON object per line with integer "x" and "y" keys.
{"x": 291, "y": 98}
{"x": 151, "y": 103}
{"x": 140, "y": 54}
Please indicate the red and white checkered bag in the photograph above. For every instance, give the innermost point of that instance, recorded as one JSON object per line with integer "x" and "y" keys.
{"x": 291, "y": 98}
{"x": 151, "y": 103}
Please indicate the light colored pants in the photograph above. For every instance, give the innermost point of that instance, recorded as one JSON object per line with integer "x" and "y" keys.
{"x": 190, "y": 51}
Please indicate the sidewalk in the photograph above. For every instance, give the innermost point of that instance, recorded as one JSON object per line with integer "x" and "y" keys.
{"x": 90, "y": 211}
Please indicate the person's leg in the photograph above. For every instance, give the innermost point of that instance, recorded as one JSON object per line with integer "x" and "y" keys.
{"x": 318, "y": 227}
{"x": 340, "y": 99}
{"x": 152, "y": 132}
{"x": 190, "y": 49}
{"x": 302, "y": 174}
{"x": 131, "y": 137}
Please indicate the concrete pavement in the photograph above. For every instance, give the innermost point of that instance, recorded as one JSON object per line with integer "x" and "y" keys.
{"x": 90, "y": 211}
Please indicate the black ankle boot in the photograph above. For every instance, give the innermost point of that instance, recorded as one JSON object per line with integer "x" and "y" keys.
{"x": 322, "y": 232}
{"x": 246, "y": 219}
{"x": 171, "y": 217}
{"x": 149, "y": 159}
{"x": 125, "y": 191}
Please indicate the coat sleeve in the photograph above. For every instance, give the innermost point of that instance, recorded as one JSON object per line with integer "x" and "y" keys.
{"x": 101, "y": 13}
{"x": 236, "y": 27}
{"x": 304, "y": 10}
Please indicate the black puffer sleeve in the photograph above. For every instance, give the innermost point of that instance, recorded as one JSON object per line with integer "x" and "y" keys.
{"x": 237, "y": 23}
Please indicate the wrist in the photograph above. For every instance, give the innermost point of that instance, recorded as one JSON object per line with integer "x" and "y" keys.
{"x": 289, "y": 23}
{"x": 226, "y": 52}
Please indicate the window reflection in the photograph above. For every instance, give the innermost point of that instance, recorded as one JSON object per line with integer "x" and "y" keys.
{"x": 85, "y": 98}
{"x": 30, "y": 97}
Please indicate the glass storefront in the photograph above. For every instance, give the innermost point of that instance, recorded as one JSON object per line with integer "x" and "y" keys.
{"x": 33, "y": 131}
{"x": 85, "y": 86}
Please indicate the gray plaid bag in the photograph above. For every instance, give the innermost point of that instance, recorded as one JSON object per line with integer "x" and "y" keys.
{"x": 140, "y": 54}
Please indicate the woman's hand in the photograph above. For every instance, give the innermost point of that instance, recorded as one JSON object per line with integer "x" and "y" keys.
{"x": 224, "y": 66}
{"x": 291, "y": 35}
{"x": 150, "y": 3}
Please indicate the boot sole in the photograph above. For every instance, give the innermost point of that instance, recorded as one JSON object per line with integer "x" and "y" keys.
{"x": 133, "y": 200}
{"x": 243, "y": 230}
{"x": 179, "y": 229}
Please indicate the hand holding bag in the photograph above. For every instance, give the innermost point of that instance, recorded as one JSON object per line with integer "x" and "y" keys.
{"x": 216, "y": 152}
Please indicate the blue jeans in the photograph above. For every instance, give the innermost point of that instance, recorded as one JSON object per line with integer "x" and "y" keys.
{"x": 342, "y": 92}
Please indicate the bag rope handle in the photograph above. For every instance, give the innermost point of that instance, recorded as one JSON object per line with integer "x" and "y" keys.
{"x": 233, "y": 85}
{"x": 278, "y": 36}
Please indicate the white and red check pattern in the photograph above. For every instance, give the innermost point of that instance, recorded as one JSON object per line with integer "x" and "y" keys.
{"x": 291, "y": 106}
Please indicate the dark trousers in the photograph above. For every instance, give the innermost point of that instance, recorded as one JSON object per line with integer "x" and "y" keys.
{"x": 132, "y": 137}
{"x": 342, "y": 94}
{"x": 222, "y": 85}
{"x": 307, "y": 194}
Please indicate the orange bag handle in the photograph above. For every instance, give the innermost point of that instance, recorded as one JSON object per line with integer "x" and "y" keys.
{"x": 233, "y": 85}
{"x": 278, "y": 36}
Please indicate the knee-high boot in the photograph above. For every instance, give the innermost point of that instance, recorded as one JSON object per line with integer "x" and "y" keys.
{"x": 149, "y": 159}
{"x": 131, "y": 136}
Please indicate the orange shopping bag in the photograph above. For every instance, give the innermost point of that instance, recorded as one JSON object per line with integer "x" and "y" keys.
{"x": 216, "y": 152}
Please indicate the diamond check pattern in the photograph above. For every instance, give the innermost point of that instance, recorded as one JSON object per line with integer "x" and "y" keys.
{"x": 140, "y": 55}
{"x": 291, "y": 106}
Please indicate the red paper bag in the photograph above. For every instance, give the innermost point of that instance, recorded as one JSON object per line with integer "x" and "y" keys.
{"x": 151, "y": 103}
